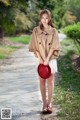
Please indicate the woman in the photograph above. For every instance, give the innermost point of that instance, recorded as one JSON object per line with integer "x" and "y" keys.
{"x": 45, "y": 45}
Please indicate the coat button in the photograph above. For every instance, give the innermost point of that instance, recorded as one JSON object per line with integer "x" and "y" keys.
{"x": 39, "y": 42}
{"x": 49, "y": 43}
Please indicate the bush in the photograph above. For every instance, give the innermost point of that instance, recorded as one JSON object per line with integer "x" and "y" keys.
{"x": 73, "y": 31}
{"x": 9, "y": 29}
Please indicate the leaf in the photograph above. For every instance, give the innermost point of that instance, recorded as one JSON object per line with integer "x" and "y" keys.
{"x": 6, "y": 2}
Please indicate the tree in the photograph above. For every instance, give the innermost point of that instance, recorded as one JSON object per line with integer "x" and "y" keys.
{"x": 74, "y": 7}
{"x": 58, "y": 13}
{"x": 13, "y": 16}
{"x": 3, "y": 17}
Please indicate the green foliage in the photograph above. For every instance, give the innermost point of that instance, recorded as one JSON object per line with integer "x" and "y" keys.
{"x": 5, "y": 2}
{"x": 69, "y": 18}
{"x": 73, "y": 31}
{"x": 6, "y": 18}
{"x": 21, "y": 39}
{"x": 9, "y": 29}
{"x": 74, "y": 7}
{"x": 5, "y": 51}
{"x": 14, "y": 16}
{"x": 58, "y": 13}
{"x": 21, "y": 21}
{"x": 67, "y": 93}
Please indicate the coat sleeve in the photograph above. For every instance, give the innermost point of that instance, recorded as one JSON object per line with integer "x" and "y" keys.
{"x": 32, "y": 43}
{"x": 55, "y": 44}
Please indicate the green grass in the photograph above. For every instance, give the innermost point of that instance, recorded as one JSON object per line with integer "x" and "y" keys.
{"x": 6, "y": 51}
{"x": 21, "y": 39}
{"x": 67, "y": 93}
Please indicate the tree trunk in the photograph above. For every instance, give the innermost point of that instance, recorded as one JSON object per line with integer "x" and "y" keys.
{"x": 1, "y": 35}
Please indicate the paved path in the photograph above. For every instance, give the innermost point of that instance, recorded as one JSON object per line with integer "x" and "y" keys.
{"x": 19, "y": 87}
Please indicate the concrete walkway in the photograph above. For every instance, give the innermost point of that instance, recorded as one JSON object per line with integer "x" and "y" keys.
{"x": 19, "y": 87}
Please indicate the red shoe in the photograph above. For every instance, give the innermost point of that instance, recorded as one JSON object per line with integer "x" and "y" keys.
{"x": 44, "y": 110}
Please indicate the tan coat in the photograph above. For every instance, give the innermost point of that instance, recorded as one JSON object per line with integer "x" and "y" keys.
{"x": 44, "y": 41}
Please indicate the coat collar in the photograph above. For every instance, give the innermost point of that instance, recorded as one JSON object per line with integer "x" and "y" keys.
{"x": 49, "y": 31}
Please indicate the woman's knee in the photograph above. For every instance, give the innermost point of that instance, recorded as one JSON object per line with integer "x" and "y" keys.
{"x": 50, "y": 79}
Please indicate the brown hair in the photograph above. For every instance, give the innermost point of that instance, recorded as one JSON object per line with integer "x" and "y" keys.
{"x": 45, "y": 11}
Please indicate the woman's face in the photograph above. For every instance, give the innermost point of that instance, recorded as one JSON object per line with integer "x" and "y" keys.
{"x": 44, "y": 19}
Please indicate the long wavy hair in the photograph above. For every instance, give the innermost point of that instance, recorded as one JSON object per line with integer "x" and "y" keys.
{"x": 45, "y": 11}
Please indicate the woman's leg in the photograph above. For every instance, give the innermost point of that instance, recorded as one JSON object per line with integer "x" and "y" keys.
{"x": 50, "y": 89}
{"x": 43, "y": 91}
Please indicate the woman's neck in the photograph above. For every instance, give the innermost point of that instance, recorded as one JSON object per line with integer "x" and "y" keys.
{"x": 46, "y": 26}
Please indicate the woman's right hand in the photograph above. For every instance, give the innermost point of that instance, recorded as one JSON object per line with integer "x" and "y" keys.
{"x": 41, "y": 61}
{"x": 39, "y": 57}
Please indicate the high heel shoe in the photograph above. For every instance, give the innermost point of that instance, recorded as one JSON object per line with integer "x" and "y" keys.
{"x": 49, "y": 109}
{"x": 44, "y": 110}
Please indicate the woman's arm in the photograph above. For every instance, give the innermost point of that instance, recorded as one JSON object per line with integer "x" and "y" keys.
{"x": 48, "y": 57}
{"x": 32, "y": 43}
{"x": 55, "y": 47}
{"x": 39, "y": 57}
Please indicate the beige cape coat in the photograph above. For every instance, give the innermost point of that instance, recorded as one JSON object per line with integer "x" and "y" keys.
{"x": 43, "y": 42}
